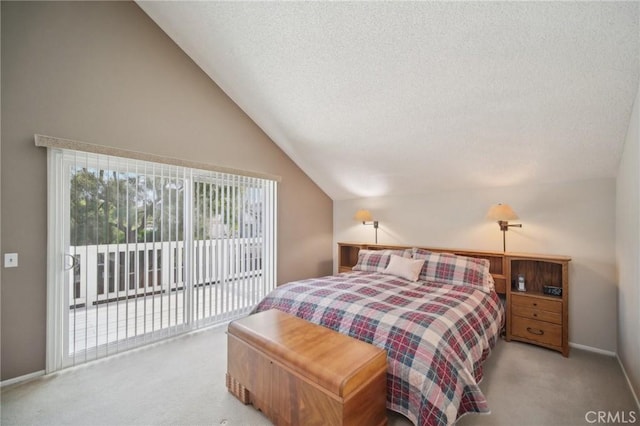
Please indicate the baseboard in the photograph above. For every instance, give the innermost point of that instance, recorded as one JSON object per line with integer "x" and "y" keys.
{"x": 21, "y": 379}
{"x": 613, "y": 354}
{"x": 626, "y": 376}
{"x": 592, "y": 349}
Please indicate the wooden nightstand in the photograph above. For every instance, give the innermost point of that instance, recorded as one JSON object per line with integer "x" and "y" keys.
{"x": 533, "y": 316}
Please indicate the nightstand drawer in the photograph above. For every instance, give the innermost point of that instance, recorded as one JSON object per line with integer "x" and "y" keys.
{"x": 537, "y": 314}
{"x": 536, "y": 303}
{"x": 538, "y": 331}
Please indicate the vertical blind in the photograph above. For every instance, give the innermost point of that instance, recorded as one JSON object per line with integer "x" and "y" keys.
{"x": 145, "y": 251}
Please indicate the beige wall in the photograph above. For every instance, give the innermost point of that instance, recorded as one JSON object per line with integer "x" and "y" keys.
{"x": 628, "y": 250}
{"x": 574, "y": 219}
{"x": 104, "y": 73}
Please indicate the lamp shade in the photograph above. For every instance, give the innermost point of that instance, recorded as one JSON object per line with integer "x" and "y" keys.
{"x": 363, "y": 216}
{"x": 499, "y": 212}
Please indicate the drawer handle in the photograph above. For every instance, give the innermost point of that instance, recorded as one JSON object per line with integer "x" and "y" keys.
{"x": 535, "y": 331}
{"x": 535, "y": 315}
{"x": 535, "y": 304}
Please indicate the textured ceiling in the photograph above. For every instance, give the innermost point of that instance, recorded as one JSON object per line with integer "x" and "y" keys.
{"x": 384, "y": 98}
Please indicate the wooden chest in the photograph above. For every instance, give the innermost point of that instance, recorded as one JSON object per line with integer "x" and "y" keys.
{"x": 297, "y": 372}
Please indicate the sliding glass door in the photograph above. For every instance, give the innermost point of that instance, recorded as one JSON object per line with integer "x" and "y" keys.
{"x": 141, "y": 251}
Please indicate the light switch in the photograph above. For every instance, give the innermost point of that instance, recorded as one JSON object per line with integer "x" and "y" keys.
{"x": 10, "y": 260}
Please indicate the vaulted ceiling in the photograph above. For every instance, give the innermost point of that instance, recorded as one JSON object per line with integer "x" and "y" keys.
{"x": 384, "y": 98}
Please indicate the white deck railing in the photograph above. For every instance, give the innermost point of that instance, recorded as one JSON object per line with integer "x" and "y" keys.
{"x": 123, "y": 294}
{"x": 110, "y": 272}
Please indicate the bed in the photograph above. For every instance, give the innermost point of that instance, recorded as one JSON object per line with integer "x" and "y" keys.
{"x": 436, "y": 314}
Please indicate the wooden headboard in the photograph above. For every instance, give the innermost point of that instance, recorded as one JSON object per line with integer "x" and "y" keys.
{"x": 348, "y": 257}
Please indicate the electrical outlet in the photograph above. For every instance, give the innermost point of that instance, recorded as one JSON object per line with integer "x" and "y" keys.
{"x": 10, "y": 260}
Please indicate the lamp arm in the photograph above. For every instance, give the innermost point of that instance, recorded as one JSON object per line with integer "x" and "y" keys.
{"x": 375, "y": 226}
{"x": 505, "y": 225}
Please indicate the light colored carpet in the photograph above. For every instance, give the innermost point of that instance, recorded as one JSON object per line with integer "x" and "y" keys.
{"x": 182, "y": 383}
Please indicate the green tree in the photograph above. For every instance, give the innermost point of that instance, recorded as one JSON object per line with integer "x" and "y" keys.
{"x": 217, "y": 204}
{"x": 108, "y": 207}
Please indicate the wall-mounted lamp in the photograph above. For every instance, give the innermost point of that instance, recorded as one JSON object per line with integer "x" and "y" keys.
{"x": 364, "y": 216}
{"x": 503, "y": 213}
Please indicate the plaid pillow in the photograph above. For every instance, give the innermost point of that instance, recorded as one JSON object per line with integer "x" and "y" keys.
{"x": 377, "y": 260}
{"x": 458, "y": 270}
{"x": 418, "y": 252}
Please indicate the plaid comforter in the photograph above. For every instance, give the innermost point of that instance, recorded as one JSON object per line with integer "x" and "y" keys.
{"x": 436, "y": 335}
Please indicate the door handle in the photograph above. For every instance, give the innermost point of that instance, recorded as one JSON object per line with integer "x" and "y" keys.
{"x": 74, "y": 262}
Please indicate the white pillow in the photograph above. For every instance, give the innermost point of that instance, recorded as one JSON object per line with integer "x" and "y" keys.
{"x": 402, "y": 267}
